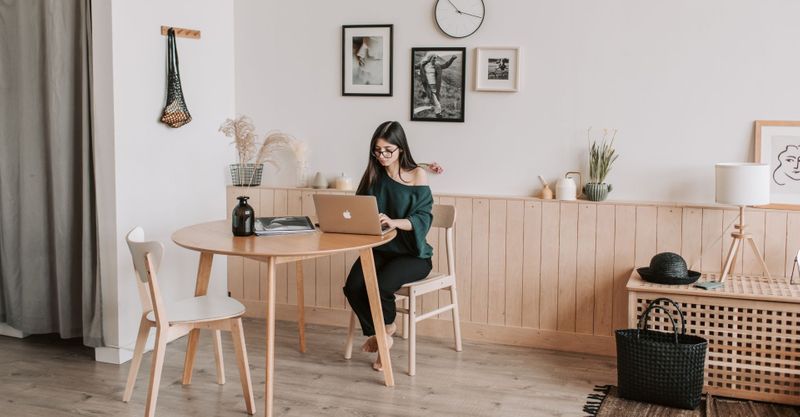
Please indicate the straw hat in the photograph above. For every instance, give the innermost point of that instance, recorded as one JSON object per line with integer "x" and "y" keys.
{"x": 668, "y": 268}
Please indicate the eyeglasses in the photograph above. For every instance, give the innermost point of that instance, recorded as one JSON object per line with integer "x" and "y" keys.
{"x": 386, "y": 153}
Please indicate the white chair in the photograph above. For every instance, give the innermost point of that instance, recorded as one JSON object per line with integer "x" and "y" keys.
{"x": 176, "y": 319}
{"x": 444, "y": 216}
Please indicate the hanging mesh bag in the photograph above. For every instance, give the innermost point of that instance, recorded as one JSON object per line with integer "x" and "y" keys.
{"x": 175, "y": 113}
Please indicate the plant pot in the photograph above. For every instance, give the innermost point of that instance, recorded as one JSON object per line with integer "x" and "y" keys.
{"x": 246, "y": 175}
{"x": 596, "y": 192}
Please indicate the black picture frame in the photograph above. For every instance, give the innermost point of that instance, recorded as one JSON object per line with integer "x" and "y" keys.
{"x": 364, "y": 90}
{"x": 423, "y": 107}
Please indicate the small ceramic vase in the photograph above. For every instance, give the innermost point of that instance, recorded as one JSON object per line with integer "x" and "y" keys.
{"x": 547, "y": 193}
{"x": 319, "y": 181}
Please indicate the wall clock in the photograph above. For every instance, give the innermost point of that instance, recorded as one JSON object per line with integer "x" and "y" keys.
{"x": 459, "y": 18}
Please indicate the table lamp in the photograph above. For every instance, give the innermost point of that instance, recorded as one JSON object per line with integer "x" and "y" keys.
{"x": 741, "y": 184}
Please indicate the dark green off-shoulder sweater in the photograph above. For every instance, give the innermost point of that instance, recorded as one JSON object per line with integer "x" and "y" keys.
{"x": 412, "y": 202}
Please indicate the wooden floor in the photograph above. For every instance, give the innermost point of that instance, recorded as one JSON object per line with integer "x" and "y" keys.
{"x": 43, "y": 376}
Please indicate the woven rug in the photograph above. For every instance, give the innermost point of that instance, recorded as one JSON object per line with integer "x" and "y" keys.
{"x": 605, "y": 403}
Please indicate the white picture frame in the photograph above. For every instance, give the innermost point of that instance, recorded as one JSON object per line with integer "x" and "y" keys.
{"x": 777, "y": 144}
{"x": 498, "y": 68}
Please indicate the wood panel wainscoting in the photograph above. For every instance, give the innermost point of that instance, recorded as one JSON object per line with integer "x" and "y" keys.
{"x": 540, "y": 273}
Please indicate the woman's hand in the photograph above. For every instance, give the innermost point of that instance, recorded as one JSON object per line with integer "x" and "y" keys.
{"x": 402, "y": 224}
{"x": 433, "y": 167}
{"x": 386, "y": 221}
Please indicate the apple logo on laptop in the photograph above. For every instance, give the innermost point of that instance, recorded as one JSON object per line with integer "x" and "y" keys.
{"x": 346, "y": 214}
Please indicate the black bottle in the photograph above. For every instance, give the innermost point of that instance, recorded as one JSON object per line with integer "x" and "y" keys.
{"x": 243, "y": 218}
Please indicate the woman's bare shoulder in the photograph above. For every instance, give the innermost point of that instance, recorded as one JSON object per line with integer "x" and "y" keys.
{"x": 420, "y": 176}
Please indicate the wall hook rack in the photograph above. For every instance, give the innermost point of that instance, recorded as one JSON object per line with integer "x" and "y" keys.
{"x": 182, "y": 32}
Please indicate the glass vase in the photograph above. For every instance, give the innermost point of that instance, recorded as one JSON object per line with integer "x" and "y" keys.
{"x": 243, "y": 218}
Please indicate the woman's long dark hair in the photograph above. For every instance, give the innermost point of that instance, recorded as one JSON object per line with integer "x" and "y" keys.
{"x": 393, "y": 133}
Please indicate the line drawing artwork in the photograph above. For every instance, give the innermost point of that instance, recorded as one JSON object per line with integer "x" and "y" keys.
{"x": 788, "y": 169}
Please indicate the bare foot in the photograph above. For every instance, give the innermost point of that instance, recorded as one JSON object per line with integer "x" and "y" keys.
{"x": 390, "y": 330}
{"x": 371, "y": 344}
{"x": 377, "y": 364}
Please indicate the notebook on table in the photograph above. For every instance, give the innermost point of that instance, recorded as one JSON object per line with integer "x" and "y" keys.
{"x": 355, "y": 214}
{"x": 283, "y": 225}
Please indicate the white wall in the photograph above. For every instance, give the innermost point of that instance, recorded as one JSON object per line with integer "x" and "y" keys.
{"x": 682, "y": 80}
{"x": 166, "y": 178}
{"x": 105, "y": 180}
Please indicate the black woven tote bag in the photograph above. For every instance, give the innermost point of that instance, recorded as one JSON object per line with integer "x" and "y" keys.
{"x": 661, "y": 367}
{"x": 175, "y": 113}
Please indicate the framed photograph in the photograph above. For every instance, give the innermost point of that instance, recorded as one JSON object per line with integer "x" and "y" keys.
{"x": 778, "y": 145}
{"x": 367, "y": 52}
{"x": 497, "y": 69}
{"x": 437, "y": 84}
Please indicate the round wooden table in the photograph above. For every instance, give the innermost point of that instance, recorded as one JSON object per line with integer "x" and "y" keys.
{"x": 216, "y": 238}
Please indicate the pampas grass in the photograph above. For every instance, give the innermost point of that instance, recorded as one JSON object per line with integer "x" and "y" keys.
{"x": 242, "y": 130}
{"x": 275, "y": 141}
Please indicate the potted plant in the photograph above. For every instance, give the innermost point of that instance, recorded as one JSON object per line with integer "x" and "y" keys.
{"x": 246, "y": 172}
{"x": 601, "y": 156}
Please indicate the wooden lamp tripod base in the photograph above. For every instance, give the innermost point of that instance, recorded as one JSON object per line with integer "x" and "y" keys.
{"x": 739, "y": 238}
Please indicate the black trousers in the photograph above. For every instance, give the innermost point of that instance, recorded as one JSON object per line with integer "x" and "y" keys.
{"x": 394, "y": 271}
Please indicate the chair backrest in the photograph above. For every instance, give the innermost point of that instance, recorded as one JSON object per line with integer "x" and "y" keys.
{"x": 146, "y": 258}
{"x": 444, "y": 216}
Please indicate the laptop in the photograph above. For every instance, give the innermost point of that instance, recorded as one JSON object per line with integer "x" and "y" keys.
{"x": 355, "y": 214}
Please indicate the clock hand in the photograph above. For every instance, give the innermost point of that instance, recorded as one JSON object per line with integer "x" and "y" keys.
{"x": 454, "y": 6}
{"x": 470, "y": 14}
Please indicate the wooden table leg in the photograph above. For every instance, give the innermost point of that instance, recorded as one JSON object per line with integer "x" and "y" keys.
{"x": 201, "y": 288}
{"x": 371, "y": 281}
{"x": 301, "y": 307}
{"x": 270, "y": 360}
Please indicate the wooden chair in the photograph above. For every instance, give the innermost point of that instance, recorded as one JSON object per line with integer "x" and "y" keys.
{"x": 444, "y": 216}
{"x": 176, "y": 319}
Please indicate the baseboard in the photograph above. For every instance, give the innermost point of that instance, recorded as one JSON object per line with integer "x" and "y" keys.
{"x": 120, "y": 355}
{"x": 113, "y": 355}
{"x": 6, "y": 330}
{"x": 515, "y": 336}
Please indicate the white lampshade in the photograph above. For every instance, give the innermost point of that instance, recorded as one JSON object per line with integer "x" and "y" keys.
{"x": 742, "y": 184}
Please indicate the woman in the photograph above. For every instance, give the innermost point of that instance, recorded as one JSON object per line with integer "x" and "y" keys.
{"x": 431, "y": 68}
{"x": 405, "y": 202}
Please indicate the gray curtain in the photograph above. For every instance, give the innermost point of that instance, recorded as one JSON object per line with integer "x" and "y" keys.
{"x": 49, "y": 280}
